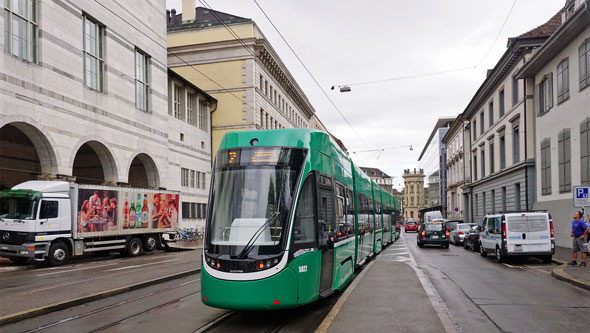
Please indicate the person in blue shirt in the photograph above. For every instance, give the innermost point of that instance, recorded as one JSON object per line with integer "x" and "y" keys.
{"x": 579, "y": 232}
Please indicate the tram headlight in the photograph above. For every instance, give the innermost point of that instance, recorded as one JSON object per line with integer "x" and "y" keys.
{"x": 266, "y": 263}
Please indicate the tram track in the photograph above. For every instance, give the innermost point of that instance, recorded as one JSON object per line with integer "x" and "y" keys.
{"x": 122, "y": 303}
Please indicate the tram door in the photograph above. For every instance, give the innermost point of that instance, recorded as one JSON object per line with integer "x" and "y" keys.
{"x": 326, "y": 230}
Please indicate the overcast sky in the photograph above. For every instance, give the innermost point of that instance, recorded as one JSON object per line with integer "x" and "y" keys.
{"x": 343, "y": 42}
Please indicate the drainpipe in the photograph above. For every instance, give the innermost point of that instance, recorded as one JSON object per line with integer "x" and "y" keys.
{"x": 470, "y": 172}
{"x": 526, "y": 174}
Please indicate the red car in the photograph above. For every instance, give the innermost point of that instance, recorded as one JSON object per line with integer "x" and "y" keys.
{"x": 411, "y": 226}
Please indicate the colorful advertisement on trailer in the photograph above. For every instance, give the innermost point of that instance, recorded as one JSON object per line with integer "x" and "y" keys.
{"x": 108, "y": 211}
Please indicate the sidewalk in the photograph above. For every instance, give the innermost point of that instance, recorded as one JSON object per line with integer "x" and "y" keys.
{"x": 579, "y": 276}
{"x": 375, "y": 297}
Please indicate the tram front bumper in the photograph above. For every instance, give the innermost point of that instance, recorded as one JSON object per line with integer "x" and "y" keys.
{"x": 275, "y": 292}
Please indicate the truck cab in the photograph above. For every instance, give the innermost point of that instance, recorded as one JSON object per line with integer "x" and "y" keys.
{"x": 32, "y": 215}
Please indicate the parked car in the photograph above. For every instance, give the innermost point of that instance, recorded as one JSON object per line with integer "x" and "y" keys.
{"x": 459, "y": 231}
{"x": 434, "y": 233}
{"x": 411, "y": 226}
{"x": 452, "y": 223}
{"x": 471, "y": 240}
{"x": 518, "y": 234}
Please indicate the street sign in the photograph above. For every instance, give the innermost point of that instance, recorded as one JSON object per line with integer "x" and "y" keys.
{"x": 581, "y": 196}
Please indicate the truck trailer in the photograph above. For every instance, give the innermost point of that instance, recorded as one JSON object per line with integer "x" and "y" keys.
{"x": 52, "y": 221}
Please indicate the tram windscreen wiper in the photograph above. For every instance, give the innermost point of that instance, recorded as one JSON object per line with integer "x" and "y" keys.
{"x": 250, "y": 245}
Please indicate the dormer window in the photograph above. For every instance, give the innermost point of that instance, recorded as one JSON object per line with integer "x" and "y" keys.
{"x": 570, "y": 7}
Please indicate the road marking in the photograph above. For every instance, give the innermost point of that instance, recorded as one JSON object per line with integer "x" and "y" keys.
{"x": 334, "y": 312}
{"x": 437, "y": 302}
{"x": 77, "y": 269}
{"x": 142, "y": 265}
{"x": 508, "y": 265}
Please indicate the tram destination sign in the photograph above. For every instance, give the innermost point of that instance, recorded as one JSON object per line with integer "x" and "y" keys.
{"x": 581, "y": 196}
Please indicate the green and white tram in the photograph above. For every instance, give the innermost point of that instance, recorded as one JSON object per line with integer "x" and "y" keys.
{"x": 290, "y": 219}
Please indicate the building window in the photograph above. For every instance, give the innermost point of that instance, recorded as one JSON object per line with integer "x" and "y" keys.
{"x": 474, "y": 129}
{"x": 261, "y": 83}
{"x": 584, "y": 52}
{"x": 481, "y": 124}
{"x": 515, "y": 144}
{"x": 266, "y": 87}
{"x": 514, "y": 91}
{"x": 142, "y": 80}
{"x": 504, "y": 198}
{"x": 203, "y": 119}
{"x": 563, "y": 81}
{"x": 546, "y": 166}
{"x": 198, "y": 179}
{"x": 493, "y": 198}
{"x": 565, "y": 163}
{"x": 93, "y": 54}
{"x": 546, "y": 93}
{"x": 501, "y": 105}
{"x": 585, "y": 152}
{"x": 492, "y": 152}
{"x": 474, "y": 166}
{"x": 483, "y": 163}
{"x": 183, "y": 177}
{"x": 20, "y": 29}
{"x": 502, "y": 151}
{"x": 491, "y": 111}
{"x": 517, "y": 196}
{"x": 176, "y": 102}
{"x": 483, "y": 204}
{"x": 191, "y": 100}
{"x": 203, "y": 177}
{"x": 477, "y": 205}
{"x": 192, "y": 179}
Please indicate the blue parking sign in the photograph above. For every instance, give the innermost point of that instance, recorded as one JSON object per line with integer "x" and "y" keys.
{"x": 581, "y": 196}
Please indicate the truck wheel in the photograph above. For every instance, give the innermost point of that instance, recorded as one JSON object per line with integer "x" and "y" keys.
{"x": 150, "y": 243}
{"x": 58, "y": 254}
{"x": 19, "y": 260}
{"x": 133, "y": 247}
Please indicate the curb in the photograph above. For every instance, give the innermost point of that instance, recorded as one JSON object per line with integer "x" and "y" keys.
{"x": 560, "y": 274}
{"x": 558, "y": 261}
{"x": 14, "y": 317}
{"x": 13, "y": 268}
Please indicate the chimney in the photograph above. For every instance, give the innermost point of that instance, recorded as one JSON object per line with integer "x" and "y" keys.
{"x": 172, "y": 16}
{"x": 188, "y": 10}
{"x": 167, "y": 16}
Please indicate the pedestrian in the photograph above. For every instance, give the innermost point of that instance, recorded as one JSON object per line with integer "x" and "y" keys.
{"x": 579, "y": 232}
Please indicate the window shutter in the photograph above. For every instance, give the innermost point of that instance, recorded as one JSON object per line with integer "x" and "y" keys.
{"x": 549, "y": 91}
{"x": 537, "y": 100}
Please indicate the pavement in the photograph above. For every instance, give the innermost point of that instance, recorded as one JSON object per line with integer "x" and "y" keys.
{"x": 576, "y": 275}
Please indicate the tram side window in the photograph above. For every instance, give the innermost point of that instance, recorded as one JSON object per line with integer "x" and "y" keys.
{"x": 304, "y": 222}
{"x": 378, "y": 221}
{"x": 362, "y": 217}
{"x": 341, "y": 211}
{"x": 327, "y": 214}
{"x": 350, "y": 211}
{"x": 371, "y": 213}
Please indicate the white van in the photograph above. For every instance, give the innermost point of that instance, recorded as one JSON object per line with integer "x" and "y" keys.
{"x": 518, "y": 234}
{"x": 430, "y": 216}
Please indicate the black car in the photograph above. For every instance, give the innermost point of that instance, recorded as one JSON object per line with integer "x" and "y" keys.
{"x": 451, "y": 224}
{"x": 434, "y": 233}
{"x": 471, "y": 240}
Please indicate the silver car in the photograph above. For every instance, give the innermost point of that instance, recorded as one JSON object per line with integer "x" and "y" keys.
{"x": 458, "y": 233}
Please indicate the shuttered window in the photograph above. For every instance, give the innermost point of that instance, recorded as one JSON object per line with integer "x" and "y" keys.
{"x": 545, "y": 91}
{"x": 546, "y": 166}
{"x": 565, "y": 163}
{"x": 563, "y": 84}
{"x": 584, "y": 56}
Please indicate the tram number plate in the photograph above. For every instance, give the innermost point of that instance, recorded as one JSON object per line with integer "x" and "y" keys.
{"x": 302, "y": 269}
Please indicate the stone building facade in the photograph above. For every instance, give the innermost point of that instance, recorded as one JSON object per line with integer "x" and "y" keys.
{"x": 560, "y": 70}
{"x": 84, "y": 97}
{"x": 453, "y": 141}
{"x": 413, "y": 193}
{"x": 229, "y": 57}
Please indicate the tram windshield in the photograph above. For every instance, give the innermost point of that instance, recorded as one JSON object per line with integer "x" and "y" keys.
{"x": 251, "y": 200}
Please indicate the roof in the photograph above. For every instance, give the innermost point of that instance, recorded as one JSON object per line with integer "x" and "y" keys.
{"x": 542, "y": 31}
{"x": 454, "y": 127}
{"x": 558, "y": 41}
{"x": 204, "y": 17}
{"x": 442, "y": 122}
{"x": 188, "y": 83}
{"x": 374, "y": 172}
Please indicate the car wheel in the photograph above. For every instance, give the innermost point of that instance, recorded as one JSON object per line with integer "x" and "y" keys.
{"x": 420, "y": 245}
{"x": 465, "y": 245}
{"x": 58, "y": 254}
{"x": 547, "y": 259}
{"x": 482, "y": 252}
{"x": 499, "y": 257}
{"x": 446, "y": 246}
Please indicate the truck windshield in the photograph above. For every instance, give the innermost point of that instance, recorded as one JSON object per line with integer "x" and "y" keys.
{"x": 251, "y": 199}
{"x": 20, "y": 207}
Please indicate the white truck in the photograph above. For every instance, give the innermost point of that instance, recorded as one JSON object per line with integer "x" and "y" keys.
{"x": 52, "y": 221}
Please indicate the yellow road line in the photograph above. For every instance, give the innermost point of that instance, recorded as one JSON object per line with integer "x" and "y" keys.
{"x": 334, "y": 312}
